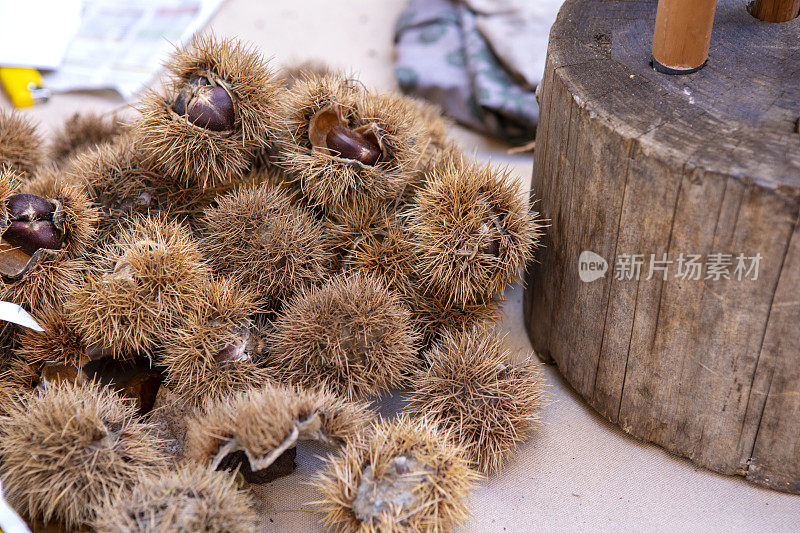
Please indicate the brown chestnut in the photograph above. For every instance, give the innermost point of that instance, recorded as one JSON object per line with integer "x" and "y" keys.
{"x": 237, "y": 350}
{"x": 28, "y": 207}
{"x": 182, "y": 100}
{"x": 231, "y": 353}
{"x": 30, "y": 236}
{"x": 205, "y": 105}
{"x": 329, "y": 133}
{"x": 492, "y": 247}
{"x": 349, "y": 144}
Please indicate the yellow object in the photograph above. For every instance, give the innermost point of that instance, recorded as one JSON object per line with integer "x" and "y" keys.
{"x": 24, "y": 86}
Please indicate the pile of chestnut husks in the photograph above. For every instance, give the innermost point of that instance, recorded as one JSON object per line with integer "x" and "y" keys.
{"x": 252, "y": 261}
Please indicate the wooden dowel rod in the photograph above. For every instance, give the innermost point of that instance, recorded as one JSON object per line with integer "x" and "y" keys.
{"x": 682, "y": 35}
{"x": 776, "y": 10}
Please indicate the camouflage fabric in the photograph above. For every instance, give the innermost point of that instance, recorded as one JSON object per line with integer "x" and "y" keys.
{"x": 469, "y": 57}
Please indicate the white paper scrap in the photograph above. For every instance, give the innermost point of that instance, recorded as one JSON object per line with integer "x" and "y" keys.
{"x": 10, "y": 522}
{"x": 17, "y": 315}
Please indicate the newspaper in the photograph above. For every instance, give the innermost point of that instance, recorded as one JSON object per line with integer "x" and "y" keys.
{"x": 121, "y": 45}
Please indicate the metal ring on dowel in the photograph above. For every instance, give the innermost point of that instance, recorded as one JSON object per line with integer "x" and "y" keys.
{"x": 682, "y": 35}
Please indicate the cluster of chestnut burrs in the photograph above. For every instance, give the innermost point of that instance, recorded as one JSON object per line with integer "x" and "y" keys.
{"x": 254, "y": 260}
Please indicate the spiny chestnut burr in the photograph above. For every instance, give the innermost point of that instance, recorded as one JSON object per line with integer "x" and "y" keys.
{"x": 117, "y": 182}
{"x": 371, "y": 240}
{"x": 294, "y": 72}
{"x": 139, "y": 286}
{"x": 30, "y": 223}
{"x": 405, "y": 476}
{"x": 217, "y": 117}
{"x": 66, "y": 448}
{"x": 473, "y": 388}
{"x": 18, "y": 378}
{"x": 124, "y": 188}
{"x": 439, "y": 147}
{"x": 344, "y": 144}
{"x": 191, "y": 499}
{"x": 206, "y": 103}
{"x": 45, "y": 277}
{"x": 433, "y": 317}
{"x": 219, "y": 349}
{"x": 59, "y": 352}
{"x": 352, "y": 335}
{"x": 470, "y": 231}
{"x": 272, "y": 247}
{"x": 257, "y": 430}
{"x": 20, "y": 145}
{"x": 84, "y": 132}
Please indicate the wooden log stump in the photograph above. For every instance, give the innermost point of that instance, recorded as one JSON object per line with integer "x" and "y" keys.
{"x": 637, "y": 167}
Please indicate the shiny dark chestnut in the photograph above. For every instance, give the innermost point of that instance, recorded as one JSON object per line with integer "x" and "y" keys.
{"x": 30, "y": 236}
{"x": 28, "y": 207}
{"x": 205, "y": 105}
{"x": 349, "y": 144}
{"x": 212, "y": 109}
